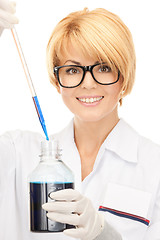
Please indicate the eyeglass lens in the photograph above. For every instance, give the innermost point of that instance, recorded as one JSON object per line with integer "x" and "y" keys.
{"x": 72, "y": 75}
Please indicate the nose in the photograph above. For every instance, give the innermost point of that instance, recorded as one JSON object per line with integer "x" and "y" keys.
{"x": 88, "y": 81}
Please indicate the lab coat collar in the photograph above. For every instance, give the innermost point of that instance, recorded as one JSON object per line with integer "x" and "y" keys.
{"x": 123, "y": 140}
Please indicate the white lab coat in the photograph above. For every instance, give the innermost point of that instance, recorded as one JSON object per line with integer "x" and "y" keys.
{"x": 125, "y": 182}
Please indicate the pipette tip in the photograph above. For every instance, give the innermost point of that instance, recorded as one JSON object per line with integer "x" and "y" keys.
{"x": 45, "y": 132}
{"x": 40, "y": 115}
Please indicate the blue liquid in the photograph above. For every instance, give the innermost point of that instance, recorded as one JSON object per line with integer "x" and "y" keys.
{"x": 40, "y": 115}
{"x": 39, "y": 194}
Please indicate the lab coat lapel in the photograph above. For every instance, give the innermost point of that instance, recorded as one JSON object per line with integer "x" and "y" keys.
{"x": 123, "y": 140}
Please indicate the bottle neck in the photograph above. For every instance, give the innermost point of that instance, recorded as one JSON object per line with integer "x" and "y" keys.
{"x": 49, "y": 158}
{"x": 50, "y": 151}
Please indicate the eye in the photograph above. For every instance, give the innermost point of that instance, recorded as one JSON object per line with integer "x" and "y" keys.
{"x": 104, "y": 69}
{"x": 72, "y": 71}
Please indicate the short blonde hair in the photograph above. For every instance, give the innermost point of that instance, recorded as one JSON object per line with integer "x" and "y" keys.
{"x": 99, "y": 34}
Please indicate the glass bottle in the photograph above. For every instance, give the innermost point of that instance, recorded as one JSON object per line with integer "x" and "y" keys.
{"x": 50, "y": 175}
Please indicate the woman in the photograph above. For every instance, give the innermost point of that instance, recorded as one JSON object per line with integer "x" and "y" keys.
{"x": 91, "y": 62}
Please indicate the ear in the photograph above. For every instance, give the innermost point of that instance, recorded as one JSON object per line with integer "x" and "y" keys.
{"x": 123, "y": 87}
{"x": 57, "y": 87}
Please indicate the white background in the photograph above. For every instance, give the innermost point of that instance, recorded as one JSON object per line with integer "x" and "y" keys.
{"x": 37, "y": 20}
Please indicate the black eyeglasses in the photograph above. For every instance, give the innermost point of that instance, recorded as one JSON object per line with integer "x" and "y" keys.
{"x": 70, "y": 76}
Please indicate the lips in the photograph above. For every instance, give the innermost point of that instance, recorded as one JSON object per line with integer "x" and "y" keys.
{"x": 91, "y": 99}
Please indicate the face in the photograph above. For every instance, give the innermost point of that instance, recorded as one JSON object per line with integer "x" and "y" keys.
{"x": 90, "y": 101}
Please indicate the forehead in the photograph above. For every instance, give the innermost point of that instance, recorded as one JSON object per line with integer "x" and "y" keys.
{"x": 75, "y": 53}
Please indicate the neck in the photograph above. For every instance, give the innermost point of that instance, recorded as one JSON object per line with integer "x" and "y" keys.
{"x": 89, "y": 136}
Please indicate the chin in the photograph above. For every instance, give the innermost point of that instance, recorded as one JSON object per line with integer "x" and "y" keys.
{"x": 96, "y": 116}
{"x": 91, "y": 118}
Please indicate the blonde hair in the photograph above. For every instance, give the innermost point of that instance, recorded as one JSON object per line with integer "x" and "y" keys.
{"x": 99, "y": 34}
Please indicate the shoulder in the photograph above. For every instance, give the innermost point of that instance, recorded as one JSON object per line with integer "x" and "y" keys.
{"x": 19, "y": 139}
{"x": 131, "y": 134}
{"x": 125, "y": 141}
{"x": 20, "y": 135}
{"x": 149, "y": 150}
{"x": 19, "y": 149}
{"x": 23, "y": 137}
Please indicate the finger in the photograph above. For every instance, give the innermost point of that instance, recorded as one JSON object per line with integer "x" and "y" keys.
{"x": 61, "y": 207}
{"x": 75, "y": 232}
{"x": 8, "y": 6}
{"x": 72, "y": 219}
{"x": 8, "y": 18}
{"x": 13, "y": 4}
{"x": 66, "y": 195}
{"x": 4, "y": 24}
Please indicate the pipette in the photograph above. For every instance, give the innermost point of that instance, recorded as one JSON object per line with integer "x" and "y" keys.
{"x": 29, "y": 80}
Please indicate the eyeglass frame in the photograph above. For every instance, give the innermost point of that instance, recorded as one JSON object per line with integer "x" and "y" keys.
{"x": 85, "y": 69}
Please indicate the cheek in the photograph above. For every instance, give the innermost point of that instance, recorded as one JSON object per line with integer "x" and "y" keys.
{"x": 113, "y": 92}
{"x": 67, "y": 96}
{"x": 65, "y": 92}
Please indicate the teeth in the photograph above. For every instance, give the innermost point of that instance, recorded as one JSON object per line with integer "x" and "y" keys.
{"x": 90, "y": 100}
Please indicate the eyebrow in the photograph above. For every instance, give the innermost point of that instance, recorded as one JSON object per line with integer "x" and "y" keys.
{"x": 78, "y": 63}
{"x": 75, "y": 62}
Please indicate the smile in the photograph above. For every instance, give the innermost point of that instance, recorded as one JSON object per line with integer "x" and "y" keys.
{"x": 90, "y": 100}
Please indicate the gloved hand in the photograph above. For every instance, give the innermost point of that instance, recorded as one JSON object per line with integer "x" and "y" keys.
{"x": 7, "y": 18}
{"x": 71, "y": 207}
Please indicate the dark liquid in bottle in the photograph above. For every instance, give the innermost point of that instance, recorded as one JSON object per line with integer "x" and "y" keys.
{"x": 39, "y": 194}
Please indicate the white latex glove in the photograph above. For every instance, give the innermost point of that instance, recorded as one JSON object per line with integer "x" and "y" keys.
{"x": 7, "y": 18}
{"x": 73, "y": 208}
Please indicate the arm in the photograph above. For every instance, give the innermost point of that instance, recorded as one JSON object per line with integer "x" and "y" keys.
{"x": 7, "y": 178}
{"x": 153, "y": 231}
{"x": 7, "y": 162}
{"x": 108, "y": 233}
